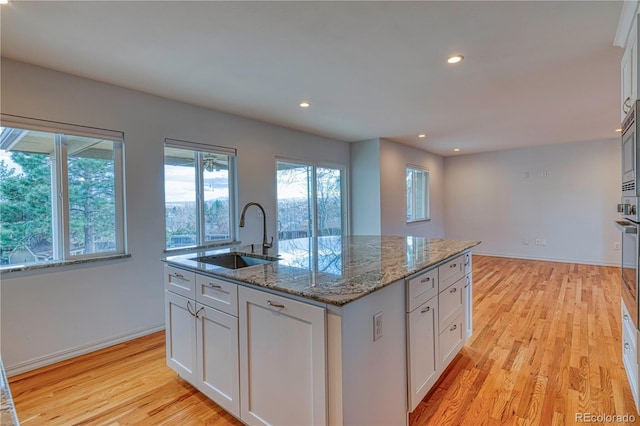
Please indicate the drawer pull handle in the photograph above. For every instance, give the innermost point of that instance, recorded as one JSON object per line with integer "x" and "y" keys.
{"x": 466, "y": 260}
{"x": 425, "y": 280}
{"x": 454, "y": 327}
{"x": 275, "y": 305}
{"x": 212, "y": 285}
{"x": 178, "y": 275}
{"x": 455, "y": 265}
{"x": 626, "y": 317}
{"x": 197, "y": 315}
{"x": 627, "y": 347}
{"x": 453, "y": 290}
{"x": 425, "y": 310}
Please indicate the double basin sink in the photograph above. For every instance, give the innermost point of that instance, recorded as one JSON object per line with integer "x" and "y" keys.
{"x": 235, "y": 260}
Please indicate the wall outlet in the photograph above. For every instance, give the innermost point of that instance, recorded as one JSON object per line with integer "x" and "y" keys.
{"x": 543, "y": 173}
{"x": 616, "y": 246}
{"x": 525, "y": 242}
{"x": 538, "y": 241}
{"x": 377, "y": 326}
{"x": 544, "y": 242}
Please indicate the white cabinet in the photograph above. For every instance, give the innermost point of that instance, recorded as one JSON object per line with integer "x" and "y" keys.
{"x": 180, "y": 329}
{"x": 468, "y": 296}
{"x": 437, "y": 330}
{"x": 282, "y": 360}
{"x": 629, "y": 72}
{"x": 630, "y": 352}
{"x": 422, "y": 351}
{"x": 202, "y": 342}
{"x": 218, "y": 362}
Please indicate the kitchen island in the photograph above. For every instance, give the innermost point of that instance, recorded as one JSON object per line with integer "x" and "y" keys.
{"x": 336, "y": 330}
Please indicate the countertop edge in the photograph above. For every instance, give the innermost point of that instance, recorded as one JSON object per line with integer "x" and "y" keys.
{"x": 8, "y": 415}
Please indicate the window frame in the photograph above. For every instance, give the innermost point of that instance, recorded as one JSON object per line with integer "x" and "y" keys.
{"x": 426, "y": 205}
{"x": 344, "y": 205}
{"x": 61, "y": 229}
{"x": 200, "y": 150}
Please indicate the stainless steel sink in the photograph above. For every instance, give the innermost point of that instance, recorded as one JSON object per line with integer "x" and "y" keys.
{"x": 235, "y": 260}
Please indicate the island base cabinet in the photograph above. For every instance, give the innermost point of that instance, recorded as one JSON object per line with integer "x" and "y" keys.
{"x": 180, "y": 332}
{"x": 282, "y": 360}
{"x": 423, "y": 351}
{"x": 202, "y": 347}
{"x": 218, "y": 362}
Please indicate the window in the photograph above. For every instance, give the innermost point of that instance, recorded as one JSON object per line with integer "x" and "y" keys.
{"x": 310, "y": 200}
{"x": 199, "y": 188}
{"x": 61, "y": 192}
{"x": 417, "y": 194}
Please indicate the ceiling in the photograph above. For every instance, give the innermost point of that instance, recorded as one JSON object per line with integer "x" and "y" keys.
{"x": 534, "y": 72}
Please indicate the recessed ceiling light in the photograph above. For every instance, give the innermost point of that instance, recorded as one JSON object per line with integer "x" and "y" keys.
{"x": 422, "y": 135}
{"x": 455, "y": 59}
{"x": 456, "y": 149}
{"x": 618, "y": 130}
{"x": 304, "y": 104}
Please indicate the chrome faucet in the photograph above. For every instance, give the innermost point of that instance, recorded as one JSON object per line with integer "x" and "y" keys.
{"x": 265, "y": 244}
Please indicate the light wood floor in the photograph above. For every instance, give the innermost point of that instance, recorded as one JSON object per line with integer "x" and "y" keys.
{"x": 546, "y": 347}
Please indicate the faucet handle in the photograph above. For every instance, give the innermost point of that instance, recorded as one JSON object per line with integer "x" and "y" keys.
{"x": 270, "y": 244}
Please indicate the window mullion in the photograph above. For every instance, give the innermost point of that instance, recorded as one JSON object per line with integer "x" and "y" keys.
{"x": 200, "y": 226}
{"x": 63, "y": 242}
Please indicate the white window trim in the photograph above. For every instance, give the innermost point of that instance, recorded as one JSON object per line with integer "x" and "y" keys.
{"x": 59, "y": 188}
{"x": 199, "y": 149}
{"x": 427, "y": 206}
{"x": 346, "y": 226}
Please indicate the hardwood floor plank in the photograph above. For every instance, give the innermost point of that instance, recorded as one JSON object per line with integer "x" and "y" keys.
{"x": 546, "y": 346}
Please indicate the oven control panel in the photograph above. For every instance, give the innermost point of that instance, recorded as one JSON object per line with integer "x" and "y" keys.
{"x": 629, "y": 208}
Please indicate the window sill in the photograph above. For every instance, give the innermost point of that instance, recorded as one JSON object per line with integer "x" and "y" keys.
{"x": 204, "y": 247}
{"x": 21, "y": 268}
{"x": 409, "y": 222}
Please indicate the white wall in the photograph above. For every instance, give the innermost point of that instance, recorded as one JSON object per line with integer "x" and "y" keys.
{"x": 365, "y": 187}
{"x": 394, "y": 158}
{"x": 488, "y": 198}
{"x": 54, "y": 313}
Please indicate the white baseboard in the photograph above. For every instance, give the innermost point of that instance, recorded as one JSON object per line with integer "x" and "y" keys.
{"x": 545, "y": 259}
{"x": 45, "y": 360}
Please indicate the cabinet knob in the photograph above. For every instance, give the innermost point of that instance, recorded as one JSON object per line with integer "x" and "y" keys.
{"x": 455, "y": 265}
{"x": 425, "y": 280}
{"x": 425, "y": 310}
{"x": 453, "y": 290}
{"x": 454, "y": 327}
{"x": 627, "y": 347}
{"x": 626, "y": 317}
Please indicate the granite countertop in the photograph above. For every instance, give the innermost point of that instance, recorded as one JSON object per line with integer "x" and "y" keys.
{"x": 334, "y": 270}
{"x": 7, "y": 411}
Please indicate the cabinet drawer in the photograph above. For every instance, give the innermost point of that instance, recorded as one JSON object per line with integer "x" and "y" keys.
{"x": 421, "y": 288}
{"x": 451, "y": 340}
{"x": 450, "y": 272}
{"x": 451, "y": 302}
{"x": 467, "y": 263}
{"x": 630, "y": 358}
{"x": 179, "y": 281}
{"x": 218, "y": 294}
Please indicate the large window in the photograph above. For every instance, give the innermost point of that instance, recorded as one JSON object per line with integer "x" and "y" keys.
{"x": 310, "y": 200}
{"x": 61, "y": 192}
{"x": 199, "y": 188}
{"x": 417, "y": 194}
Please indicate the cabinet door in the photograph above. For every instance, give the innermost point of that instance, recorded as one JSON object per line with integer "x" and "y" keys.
{"x": 451, "y": 302}
{"x": 282, "y": 360}
{"x": 218, "y": 365}
{"x": 180, "y": 332}
{"x": 423, "y": 351}
{"x": 468, "y": 306}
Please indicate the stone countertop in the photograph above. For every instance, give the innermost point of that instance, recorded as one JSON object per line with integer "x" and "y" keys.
{"x": 7, "y": 411}
{"x": 334, "y": 270}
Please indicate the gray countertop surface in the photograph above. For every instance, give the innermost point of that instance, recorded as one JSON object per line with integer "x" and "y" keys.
{"x": 7, "y": 411}
{"x": 334, "y": 270}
